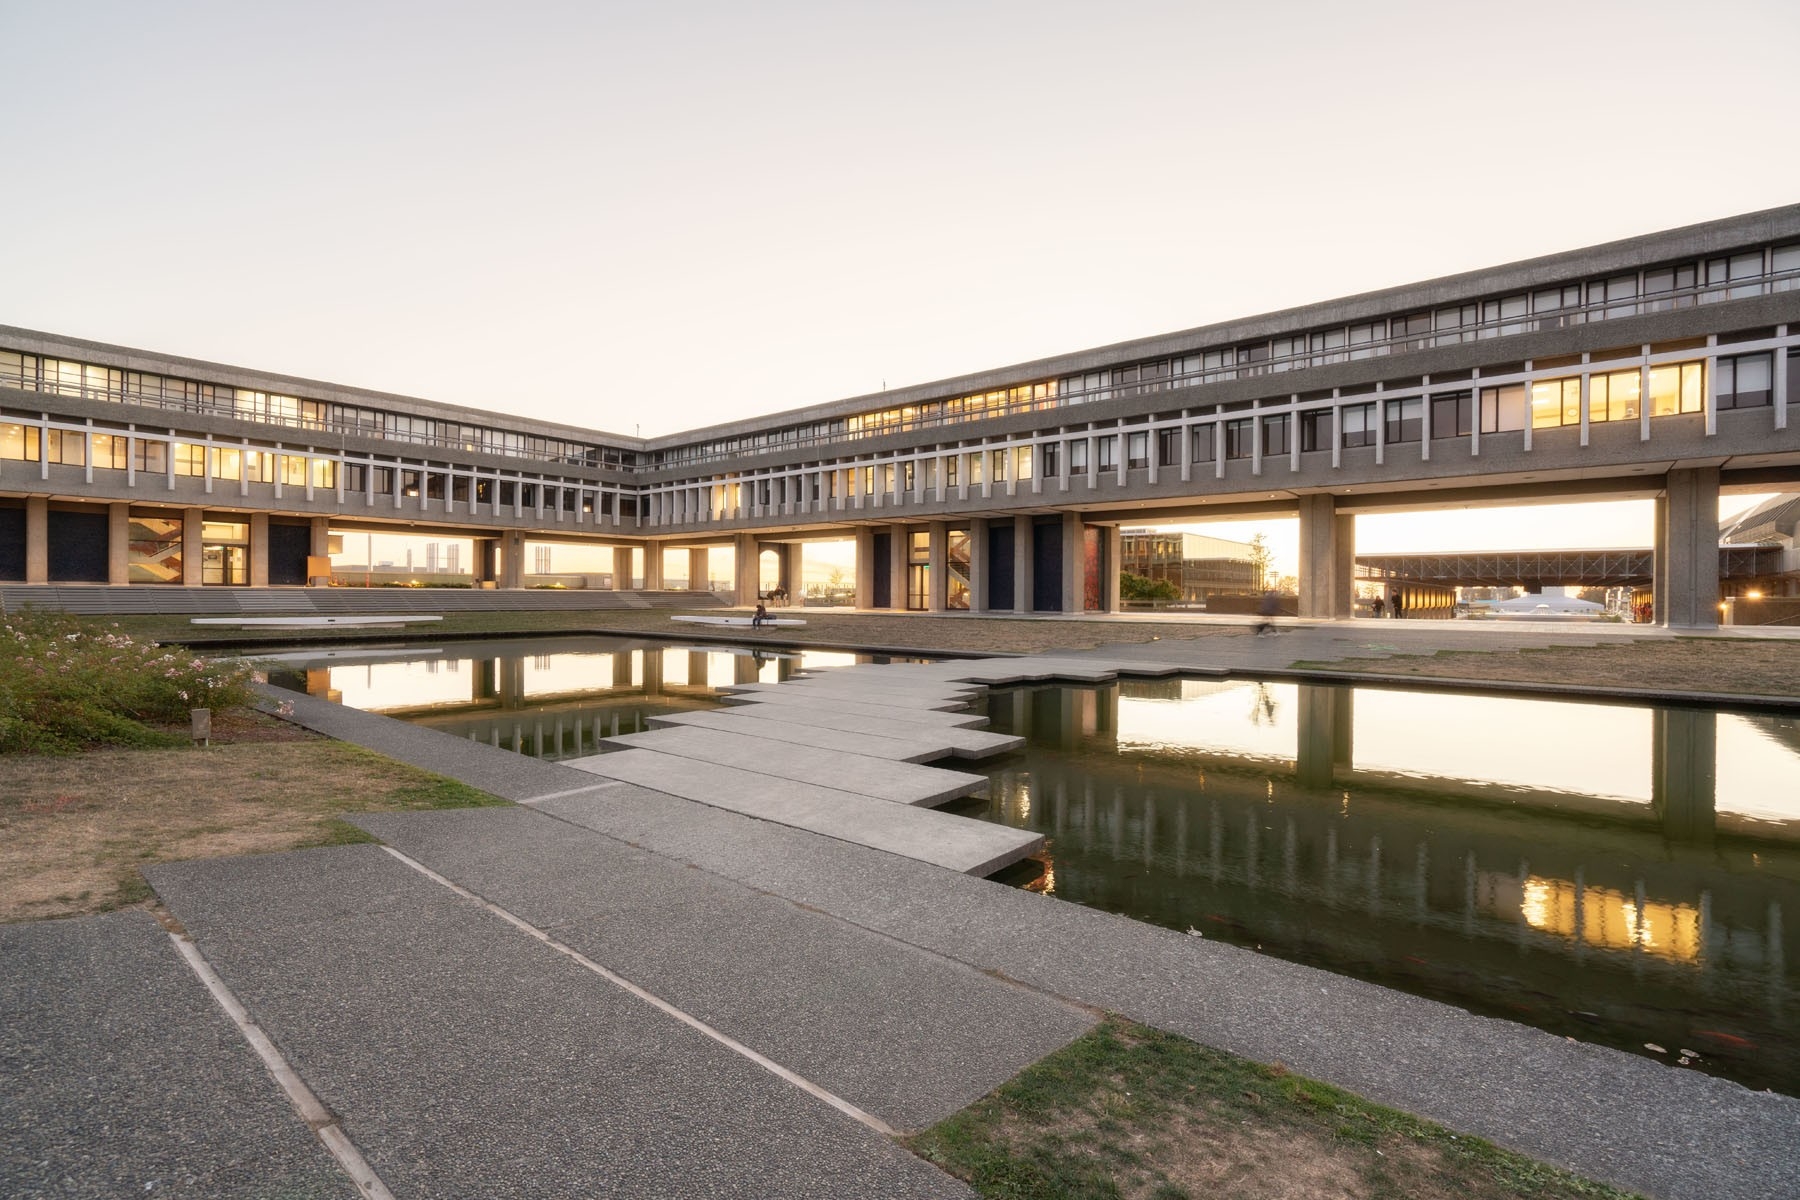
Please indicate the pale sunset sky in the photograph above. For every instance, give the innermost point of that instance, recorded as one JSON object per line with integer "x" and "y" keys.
{"x": 644, "y": 217}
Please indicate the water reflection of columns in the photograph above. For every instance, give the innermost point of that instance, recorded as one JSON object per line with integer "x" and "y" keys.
{"x": 1684, "y": 757}
{"x": 511, "y": 671}
{"x": 1324, "y": 741}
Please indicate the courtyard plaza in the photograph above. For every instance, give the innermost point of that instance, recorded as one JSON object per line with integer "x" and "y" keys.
{"x": 607, "y": 989}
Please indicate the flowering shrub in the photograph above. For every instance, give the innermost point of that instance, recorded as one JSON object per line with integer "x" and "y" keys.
{"x": 64, "y": 685}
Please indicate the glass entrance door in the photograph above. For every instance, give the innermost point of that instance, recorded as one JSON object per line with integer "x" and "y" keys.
{"x": 227, "y": 565}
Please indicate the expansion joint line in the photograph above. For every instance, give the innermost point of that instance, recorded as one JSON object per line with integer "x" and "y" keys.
{"x": 619, "y": 981}
{"x": 317, "y": 1117}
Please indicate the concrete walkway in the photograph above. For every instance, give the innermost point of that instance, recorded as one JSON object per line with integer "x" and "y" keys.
{"x": 619, "y": 991}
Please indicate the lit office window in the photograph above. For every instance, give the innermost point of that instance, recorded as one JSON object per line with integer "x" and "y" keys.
{"x": 1555, "y": 402}
{"x": 1615, "y": 396}
{"x": 20, "y": 442}
{"x": 1680, "y": 388}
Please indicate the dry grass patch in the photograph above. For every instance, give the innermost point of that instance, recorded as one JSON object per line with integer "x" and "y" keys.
{"x": 74, "y": 830}
{"x": 1129, "y": 1113}
{"x": 1747, "y": 666}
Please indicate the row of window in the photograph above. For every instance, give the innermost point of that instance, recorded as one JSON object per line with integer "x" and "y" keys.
{"x": 64, "y": 377}
{"x": 1741, "y": 381}
{"x": 1659, "y": 289}
{"x": 119, "y": 452}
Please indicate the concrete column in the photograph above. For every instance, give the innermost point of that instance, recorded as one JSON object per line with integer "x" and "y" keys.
{"x": 318, "y": 545}
{"x": 621, "y": 571}
{"x": 653, "y": 566}
{"x": 192, "y": 533}
{"x": 794, "y": 578}
{"x": 978, "y": 565}
{"x": 1112, "y": 548}
{"x": 1327, "y": 559}
{"x": 938, "y": 586}
{"x": 747, "y": 572}
{"x": 259, "y": 548}
{"x": 1023, "y": 560}
{"x": 1074, "y": 564}
{"x": 1691, "y": 546}
{"x": 897, "y": 564}
{"x": 485, "y": 550}
{"x": 118, "y": 544}
{"x": 37, "y": 539}
{"x": 865, "y": 567}
{"x": 512, "y": 561}
{"x": 699, "y": 569}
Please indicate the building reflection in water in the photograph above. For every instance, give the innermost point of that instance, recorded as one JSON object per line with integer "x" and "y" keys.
{"x": 1616, "y": 873}
{"x": 549, "y": 698}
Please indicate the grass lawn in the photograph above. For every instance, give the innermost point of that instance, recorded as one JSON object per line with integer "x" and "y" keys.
{"x": 1130, "y": 1113}
{"x": 75, "y": 829}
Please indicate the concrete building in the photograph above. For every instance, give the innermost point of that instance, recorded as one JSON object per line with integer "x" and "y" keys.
{"x": 1658, "y": 366}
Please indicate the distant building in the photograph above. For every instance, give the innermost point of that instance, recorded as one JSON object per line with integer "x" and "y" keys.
{"x": 1773, "y": 523}
{"x": 1199, "y": 565}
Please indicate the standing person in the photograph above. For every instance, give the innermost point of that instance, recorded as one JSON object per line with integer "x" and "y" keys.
{"x": 1399, "y": 604}
{"x": 1380, "y": 607}
{"x": 761, "y": 615}
{"x": 1269, "y": 609}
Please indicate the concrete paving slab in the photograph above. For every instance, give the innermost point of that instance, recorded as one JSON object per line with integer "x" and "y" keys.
{"x": 899, "y": 782}
{"x": 957, "y": 843}
{"x": 120, "y": 1076}
{"x": 466, "y": 1059}
{"x": 899, "y": 713}
{"x": 909, "y": 1036}
{"x": 1623, "y": 1118}
{"x": 895, "y": 749}
{"x": 963, "y": 742}
{"x": 946, "y": 692}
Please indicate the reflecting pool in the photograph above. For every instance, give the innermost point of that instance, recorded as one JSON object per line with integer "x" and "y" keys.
{"x": 1619, "y": 874}
{"x": 550, "y": 698}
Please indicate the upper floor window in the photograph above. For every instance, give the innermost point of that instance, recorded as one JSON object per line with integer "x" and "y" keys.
{"x": 1357, "y": 424}
{"x": 1137, "y": 450}
{"x": 1109, "y": 453}
{"x": 1315, "y": 430}
{"x": 1203, "y": 438}
{"x": 1275, "y": 435}
{"x": 1451, "y": 415}
{"x": 1405, "y": 421}
{"x": 1240, "y": 438}
{"x": 1168, "y": 447}
{"x": 1745, "y": 381}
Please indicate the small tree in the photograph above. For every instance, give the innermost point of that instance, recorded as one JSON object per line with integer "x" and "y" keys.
{"x": 1139, "y": 587}
{"x": 1262, "y": 560}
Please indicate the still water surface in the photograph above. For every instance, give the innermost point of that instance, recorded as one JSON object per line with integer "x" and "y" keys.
{"x": 1621, "y": 874}
{"x": 551, "y": 698}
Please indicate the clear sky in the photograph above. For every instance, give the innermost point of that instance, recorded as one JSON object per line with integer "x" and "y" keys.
{"x": 653, "y": 217}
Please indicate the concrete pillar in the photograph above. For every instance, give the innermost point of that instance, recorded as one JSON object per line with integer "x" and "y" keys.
{"x": 118, "y": 545}
{"x": 512, "y": 561}
{"x": 653, "y": 566}
{"x": 794, "y": 578}
{"x": 865, "y": 567}
{"x": 1692, "y": 547}
{"x": 621, "y": 571}
{"x": 1113, "y": 546}
{"x": 485, "y": 551}
{"x": 192, "y": 533}
{"x": 899, "y": 542}
{"x": 259, "y": 548}
{"x": 978, "y": 565}
{"x": 318, "y": 546}
{"x": 938, "y": 572}
{"x": 1659, "y": 563}
{"x": 1683, "y": 780}
{"x": 1024, "y": 557}
{"x": 1327, "y": 559}
{"x": 748, "y": 570}
{"x": 37, "y": 539}
{"x": 1074, "y": 564}
{"x": 699, "y": 570}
